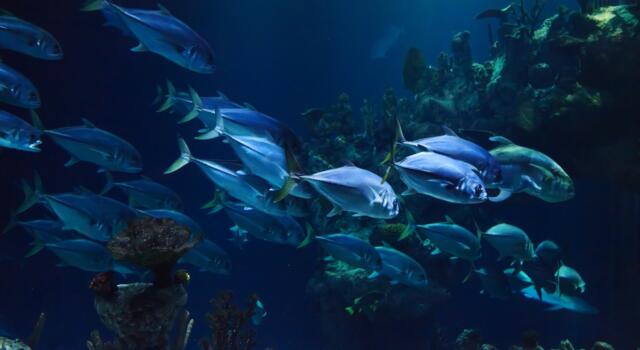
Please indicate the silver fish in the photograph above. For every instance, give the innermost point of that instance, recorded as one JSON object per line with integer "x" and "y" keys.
{"x": 560, "y": 302}
{"x": 17, "y": 134}
{"x": 400, "y": 268}
{"x": 569, "y": 281}
{"x": 83, "y": 254}
{"x": 9, "y": 344}
{"x": 146, "y": 193}
{"x": 208, "y": 256}
{"x": 351, "y": 250}
{"x": 510, "y": 241}
{"x": 158, "y": 31}
{"x": 356, "y": 190}
{"x": 17, "y": 90}
{"x": 441, "y": 177}
{"x": 26, "y": 38}
{"x": 452, "y": 239}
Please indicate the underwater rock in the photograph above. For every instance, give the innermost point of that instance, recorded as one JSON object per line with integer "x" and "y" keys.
{"x": 141, "y": 315}
{"x": 230, "y": 325}
{"x": 461, "y": 50}
{"x": 469, "y": 339}
{"x": 414, "y": 72}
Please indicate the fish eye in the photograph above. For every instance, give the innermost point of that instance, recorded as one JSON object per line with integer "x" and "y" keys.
{"x": 477, "y": 190}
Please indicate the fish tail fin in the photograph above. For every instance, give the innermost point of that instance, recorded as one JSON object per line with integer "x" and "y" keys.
{"x": 309, "y": 238}
{"x": 184, "y": 159}
{"x": 472, "y": 267}
{"x": 31, "y": 194}
{"x": 108, "y": 186}
{"x": 169, "y": 97}
{"x": 37, "y": 247}
{"x": 13, "y": 222}
{"x": 196, "y": 101}
{"x": 36, "y": 121}
{"x": 217, "y": 131}
{"x": 409, "y": 228}
{"x": 479, "y": 231}
{"x": 391, "y": 156}
{"x": 93, "y": 5}
{"x": 290, "y": 182}
{"x": 216, "y": 204}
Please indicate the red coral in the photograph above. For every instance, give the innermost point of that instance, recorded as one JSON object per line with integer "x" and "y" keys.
{"x": 230, "y": 325}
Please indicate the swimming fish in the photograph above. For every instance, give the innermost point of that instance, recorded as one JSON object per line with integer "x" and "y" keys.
{"x": 514, "y": 180}
{"x": 560, "y": 302}
{"x": 26, "y": 38}
{"x": 355, "y": 190}
{"x": 382, "y": 46}
{"x": 267, "y": 160}
{"x": 44, "y": 232}
{"x": 441, "y": 177}
{"x": 181, "y": 219}
{"x": 8, "y": 344}
{"x": 90, "y": 144}
{"x": 158, "y": 31}
{"x": 146, "y": 193}
{"x": 208, "y": 256}
{"x": 351, "y": 250}
{"x": 17, "y": 134}
{"x": 549, "y": 187}
{"x": 569, "y": 281}
{"x": 17, "y": 90}
{"x": 509, "y": 153}
{"x": 400, "y": 268}
{"x": 82, "y": 254}
{"x": 259, "y": 313}
{"x": 510, "y": 241}
{"x": 549, "y": 253}
{"x": 453, "y": 146}
{"x": 452, "y": 239}
{"x": 248, "y": 189}
{"x": 495, "y": 283}
{"x": 270, "y": 228}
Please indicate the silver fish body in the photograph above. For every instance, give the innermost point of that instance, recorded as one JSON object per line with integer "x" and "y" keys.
{"x": 510, "y": 241}
{"x": 351, "y": 250}
{"x": 17, "y": 90}
{"x": 401, "y": 268}
{"x": 26, "y": 38}
{"x": 16, "y": 133}
{"x": 452, "y": 239}
{"x": 83, "y": 254}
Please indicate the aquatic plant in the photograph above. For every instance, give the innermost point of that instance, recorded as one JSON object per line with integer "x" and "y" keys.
{"x": 230, "y": 325}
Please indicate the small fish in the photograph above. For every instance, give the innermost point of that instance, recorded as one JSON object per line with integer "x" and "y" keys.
{"x": 208, "y": 256}
{"x": 83, "y": 254}
{"x": 248, "y": 189}
{"x": 158, "y": 31}
{"x": 356, "y": 190}
{"x": 146, "y": 193}
{"x": 382, "y": 46}
{"x": 89, "y": 144}
{"x": 270, "y": 228}
{"x": 453, "y": 146}
{"x": 351, "y": 250}
{"x": 17, "y": 90}
{"x": 495, "y": 283}
{"x": 44, "y": 232}
{"x": 569, "y": 281}
{"x": 400, "y": 268}
{"x": 181, "y": 219}
{"x": 510, "y": 241}
{"x": 560, "y": 302}
{"x": 441, "y": 177}
{"x": 16, "y": 133}
{"x": 238, "y": 236}
{"x": 452, "y": 239}
{"x": 550, "y": 253}
{"x": 259, "y": 313}
{"x": 26, "y": 38}
{"x": 8, "y": 344}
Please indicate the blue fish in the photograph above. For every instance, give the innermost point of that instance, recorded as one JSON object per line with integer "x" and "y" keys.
{"x": 351, "y": 250}
{"x": 453, "y": 146}
{"x": 356, "y": 190}
{"x": 146, "y": 193}
{"x": 17, "y": 90}
{"x": 90, "y": 144}
{"x": 26, "y": 38}
{"x": 208, "y": 256}
{"x": 452, "y": 239}
{"x": 549, "y": 253}
{"x": 158, "y": 31}
{"x": 400, "y": 268}
{"x": 441, "y": 177}
{"x": 270, "y": 228}
{"x": 248, "y": 189}
{"x": 560, "y": 302}
{"x": 83, "y": 254}
{"x": 15, "y": 133}
{"x": 44, "y": 232}
{"x": 510, "y": 241}
{"x": 194, "y": 228}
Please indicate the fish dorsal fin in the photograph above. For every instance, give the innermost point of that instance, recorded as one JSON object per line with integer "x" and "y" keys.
{"x": 164, "y": 10}
{"x": 448, "y": 131}
{"x": 449, "y": 220}
{"x": 222, "y": 96}
{"x": 86, "y": 122}
{"x": 501, "y": 140}
{"x": 248, "y": 105}
{"x": 347, "y": 162}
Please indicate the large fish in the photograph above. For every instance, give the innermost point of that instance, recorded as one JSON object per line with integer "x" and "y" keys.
{"x": 441, "y": 177}
{"x": 351, "y": 250}
{"x": 248, "y": 189}
{"x": 44, "y": 232}
{"x": 26, "y": 38}
{"x": 549, "y": 187}
{"x": 208, "y": 256}
{"x": 355, "y": 190}
{"x": 270, "y": 228}
{"x": 510, "y": 241}
{"x": 267, "y": 160}
{"x": 17, "y": 90}
{"x": 93, "y": 145}
{"x": 158, "y": 31}
{"x": 453, "y": 146}
{"x": 452, "y": 239}
{"x": 146, "y": 193}
{"x": 83, "y": 254}
{"x": 549, "y": 253}
{"x": 400, "y": 268}
{"x": 17, "y": 134}
{"x": 560, "y": 302}
{"x": 569, "y": 281}
{"x": 510, "y": 153}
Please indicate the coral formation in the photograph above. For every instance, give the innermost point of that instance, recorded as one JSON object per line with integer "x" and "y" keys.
{"x": 230, "y": 325}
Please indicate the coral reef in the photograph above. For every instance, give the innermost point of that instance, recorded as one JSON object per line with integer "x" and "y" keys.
{"x": 230, "y": 325}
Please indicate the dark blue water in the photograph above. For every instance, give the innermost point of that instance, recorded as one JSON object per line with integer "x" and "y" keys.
{"x": 283, "y": 57}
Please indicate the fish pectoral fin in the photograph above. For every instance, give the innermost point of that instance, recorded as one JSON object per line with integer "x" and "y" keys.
{"x": 408, "y": 192}
{"x": 164, "y": 10}
{"x": 394, "y": 282}
{"x": 335, "y": 211}
{"x": 140, "y": 48}
{"x": 503, "y": 195}
{"x": 553, "y": 308}
{"x": 328, "y": 258}
{"x": 373, "y": 275}
{"x": 529, "y": 181}
{"x": 357, "y": 215}
{"x": 436, "y": 251}
{"x": 72, "y": 161}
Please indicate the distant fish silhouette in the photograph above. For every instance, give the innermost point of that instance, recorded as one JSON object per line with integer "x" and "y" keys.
{"x": 382, "y": 46}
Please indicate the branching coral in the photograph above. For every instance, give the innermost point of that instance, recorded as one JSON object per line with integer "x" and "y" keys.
{"x": 230, "y": 325}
